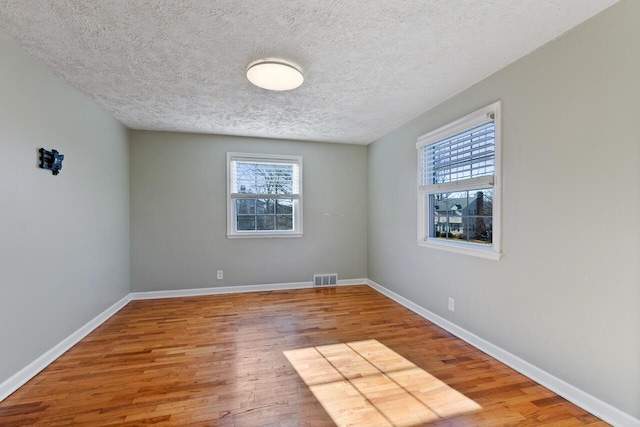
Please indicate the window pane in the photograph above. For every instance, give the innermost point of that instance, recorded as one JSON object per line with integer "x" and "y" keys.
{"x": 485, "y": 201}
{"x": 468, "y": 154}
{"x": 463, "y": 215}
{"x": 246, "y": 206}
{"x": 246, "y": 222}
{"x": 284, "y": 206}
{"x": 479, "y": 229}
{"x": 265, "y": 206}
{"x": 284, "y": 222}
{"x": 265, "y": 222}
{"x": 257, "y": 178}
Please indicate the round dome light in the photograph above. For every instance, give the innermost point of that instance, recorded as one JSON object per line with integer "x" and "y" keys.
{"x": 274, "y": 75}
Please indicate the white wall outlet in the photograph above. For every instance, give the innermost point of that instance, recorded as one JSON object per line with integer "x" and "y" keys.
{"x": 219, "y": 276}
{"x": 452, "y": 304}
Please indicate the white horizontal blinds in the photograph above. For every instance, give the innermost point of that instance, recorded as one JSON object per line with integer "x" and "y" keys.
{"x": 275, "y": 178}
{"x": 466, "y": 155}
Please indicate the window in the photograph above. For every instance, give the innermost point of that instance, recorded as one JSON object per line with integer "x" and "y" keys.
{"x": 264, "y": 195}
{"x": 459, "y": 185}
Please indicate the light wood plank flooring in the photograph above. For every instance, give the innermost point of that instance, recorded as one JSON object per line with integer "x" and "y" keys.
{"x": 345, "y": 355}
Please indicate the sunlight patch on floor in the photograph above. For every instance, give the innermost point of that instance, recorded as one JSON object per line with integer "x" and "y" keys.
{"x": 366, "y": 383}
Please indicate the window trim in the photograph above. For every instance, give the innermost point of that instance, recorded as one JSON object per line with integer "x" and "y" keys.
{"x": 232, "y": 232}
{"x": 469, "y": 121}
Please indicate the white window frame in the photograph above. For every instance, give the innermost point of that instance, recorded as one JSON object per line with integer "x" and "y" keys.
{"x": 425, "y": 223}
{"x": 232, "y": 231}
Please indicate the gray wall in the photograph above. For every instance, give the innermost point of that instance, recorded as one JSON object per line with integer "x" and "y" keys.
{"x": 178, "y": 214}
{"x": 566, "y": 296}
{"x": 64, "y": 252}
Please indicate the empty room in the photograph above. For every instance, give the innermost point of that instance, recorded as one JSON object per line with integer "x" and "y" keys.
{"x": 319, "y": 213}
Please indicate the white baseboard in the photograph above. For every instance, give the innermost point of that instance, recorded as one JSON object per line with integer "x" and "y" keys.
{"x": 573, "y": 394}
{"x": 18, "y": 379}
{"x": 235, "y": 289}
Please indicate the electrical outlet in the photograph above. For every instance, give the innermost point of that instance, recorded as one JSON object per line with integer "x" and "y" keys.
{"x": 219, "y": 275}
{"x": 452, "y": 304}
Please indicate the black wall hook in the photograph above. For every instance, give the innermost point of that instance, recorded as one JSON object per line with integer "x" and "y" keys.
{"x": 51, "y": 160}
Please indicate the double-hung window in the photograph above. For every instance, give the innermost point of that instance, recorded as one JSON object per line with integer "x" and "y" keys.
{"x": 264, "y": 195}
{"x": 459, "y": 197}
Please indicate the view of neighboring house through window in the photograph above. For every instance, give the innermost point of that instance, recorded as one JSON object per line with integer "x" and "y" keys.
{"x": 458, "y": 185}
{"x": 264, "y": 195}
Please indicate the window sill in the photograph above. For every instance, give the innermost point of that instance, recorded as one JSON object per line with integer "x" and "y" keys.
{"x": 262, "y": 235}
{"x": 461, "y": 248}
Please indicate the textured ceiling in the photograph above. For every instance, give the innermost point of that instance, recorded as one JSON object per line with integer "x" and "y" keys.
{"x": 369, "y": 65}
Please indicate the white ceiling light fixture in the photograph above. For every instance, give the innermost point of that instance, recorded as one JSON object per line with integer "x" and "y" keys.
{"x": 274, "y": 74}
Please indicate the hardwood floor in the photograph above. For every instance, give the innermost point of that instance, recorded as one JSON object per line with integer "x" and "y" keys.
{"x": 243, "y": 359}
